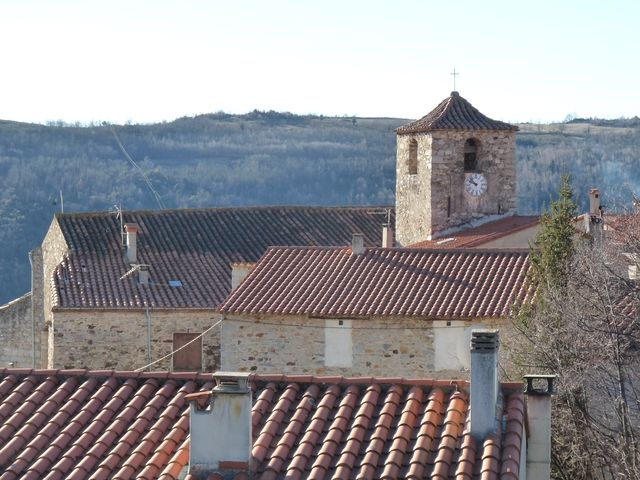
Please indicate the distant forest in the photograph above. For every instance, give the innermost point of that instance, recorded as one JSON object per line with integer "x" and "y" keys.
{"x": 262, "y": 158}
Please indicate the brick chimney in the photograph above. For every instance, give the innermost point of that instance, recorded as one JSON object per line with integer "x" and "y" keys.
{"x": 486, "y": 398}
{"x": 538, "y": 391}
{"x": 221, "y": 432}
{"x": 387, "y": 236}
{"x": 357, "y": 244}
{"x": 132, "y": 247}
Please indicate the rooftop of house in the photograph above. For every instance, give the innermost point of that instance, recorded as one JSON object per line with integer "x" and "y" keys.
{"x": 437, "y": 284}
{"x": 77, "y": 424}
{"x": 194, "y": 247}
{"x": 475, "y": 237}
{"x": 454, "y": 113}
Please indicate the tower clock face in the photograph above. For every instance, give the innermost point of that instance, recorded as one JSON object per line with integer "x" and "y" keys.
{"x": 475, "y": 184}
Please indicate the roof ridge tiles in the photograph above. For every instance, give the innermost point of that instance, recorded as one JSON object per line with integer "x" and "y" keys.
{"x": 241, "y": 208}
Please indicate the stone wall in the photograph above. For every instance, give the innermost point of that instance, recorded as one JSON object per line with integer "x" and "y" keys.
{"x": 389, "y": 346}
{"x": 53, "y": 249}
{"x": 413, "y": 211}
{"x": 16, "y": 334}
{"x": 119, "y": 339}
{"x": 434, "y": 200}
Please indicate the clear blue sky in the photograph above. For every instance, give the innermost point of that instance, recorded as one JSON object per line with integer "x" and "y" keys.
{"x": 146, "y": 61}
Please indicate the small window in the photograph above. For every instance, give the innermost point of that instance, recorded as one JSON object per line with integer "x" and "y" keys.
{"x": 338, "y": 344}
{"x": 413, "y": 157}
{"x": 189, "y": 359}
{"x": 470, "y": 155}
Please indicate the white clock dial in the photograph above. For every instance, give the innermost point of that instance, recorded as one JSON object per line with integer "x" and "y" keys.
{"x": 475, "y": 184}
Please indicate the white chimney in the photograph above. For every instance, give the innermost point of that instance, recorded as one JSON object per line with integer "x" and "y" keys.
{"x": 357, "y": 244}
{"x": 221, "y": 432}
{"x": 387, "y": 236}
{"x": 486, "y": 399}
{"x": 594, "y": 203}
{"x": 538, "y": 391}
{"x": 143, "y": 274}
{"x": 132, "y": 249}
{"x": 239, "y": 271}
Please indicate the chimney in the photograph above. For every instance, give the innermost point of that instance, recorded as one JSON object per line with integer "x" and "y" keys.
{"x": 594, "y": 203}
{"x": 486, "y": 400}
{"x": 357, "y": 244}
{"x": 221, "y": 432}
{"x": 387, "y": 236}
{"x": 238, "y": 273}
{"x": 633, "y": 272}
{"x": 132, "y": 249}
{"x": 143, "y": 274}
{"x": 538, "y": 391}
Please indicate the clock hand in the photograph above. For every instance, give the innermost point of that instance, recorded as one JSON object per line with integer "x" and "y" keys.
{"x": 473, "y": 182}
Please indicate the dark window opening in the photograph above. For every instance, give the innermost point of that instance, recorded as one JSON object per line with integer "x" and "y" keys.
{"x": 470, "y": 155}
{"x": 413, "y": 157}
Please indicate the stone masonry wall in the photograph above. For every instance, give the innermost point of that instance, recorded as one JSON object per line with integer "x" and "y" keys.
{"x": 16, "y": 336}
{"x": 413, "y": 212}
{"x": 119, "y": 339}
{"x": 381, "y": 346}
{"x": 422, "y": 200}
{"x": 53, "y": 249}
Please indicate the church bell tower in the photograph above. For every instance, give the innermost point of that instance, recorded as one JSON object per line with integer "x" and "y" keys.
{"x": 455, "y": 168}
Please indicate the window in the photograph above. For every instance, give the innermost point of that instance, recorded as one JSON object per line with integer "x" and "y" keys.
{"x": 413, "y": 157}
{"x": 189, "y": 359}
{"x": 470, "y": 155}
{"x": 338, "y": 345}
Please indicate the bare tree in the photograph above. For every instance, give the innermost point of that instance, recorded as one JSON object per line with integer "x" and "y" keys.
{"x": 585, "y": 329}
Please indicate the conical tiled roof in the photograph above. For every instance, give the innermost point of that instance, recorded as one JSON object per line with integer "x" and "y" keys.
{"x": 454, "y": 113}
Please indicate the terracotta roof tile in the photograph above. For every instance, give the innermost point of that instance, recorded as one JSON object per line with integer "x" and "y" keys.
{"x": 136, "y": 426}
{"x": 475, "y": 237}
{"x": 454, "y": 113}
{"x": 411, "y": 282}
{"x": 196, "y": 247}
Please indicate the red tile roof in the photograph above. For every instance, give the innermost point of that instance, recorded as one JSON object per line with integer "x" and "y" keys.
{"x": 454, "y": 113}
{"x": 78, "y": 424}
{"x": 399, "y": 281}
{"x": 477, "y": 236}
{"x": 193, "y": 246}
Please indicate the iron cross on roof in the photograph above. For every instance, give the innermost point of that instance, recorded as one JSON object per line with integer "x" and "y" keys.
{"x": 455, "y": 74}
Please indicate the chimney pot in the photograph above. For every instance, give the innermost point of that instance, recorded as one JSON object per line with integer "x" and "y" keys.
{"x": 357, "y": 244}
{"x": 132, "y": 249}
{"x": 486, "y": 401}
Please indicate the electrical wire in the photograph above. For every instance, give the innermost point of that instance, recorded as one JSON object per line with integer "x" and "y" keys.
{"x": 180, "y": 348}
{"x": 132, "y": 161}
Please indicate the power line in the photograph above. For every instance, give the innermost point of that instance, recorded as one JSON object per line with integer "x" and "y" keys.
{"x": 178, "y": 349}
{"x": 132, "y": 161}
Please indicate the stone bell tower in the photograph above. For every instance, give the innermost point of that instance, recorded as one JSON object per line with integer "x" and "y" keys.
{"x": 455, "y": 168}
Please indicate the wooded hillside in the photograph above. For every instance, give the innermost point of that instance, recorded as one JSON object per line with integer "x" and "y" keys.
{"x": 261, "y": 158}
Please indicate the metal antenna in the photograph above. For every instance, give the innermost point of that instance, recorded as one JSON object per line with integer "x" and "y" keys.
{"x": 118, "y": 208}
{"x": 455, "y": 74}
{"x": 382, "y": 211}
